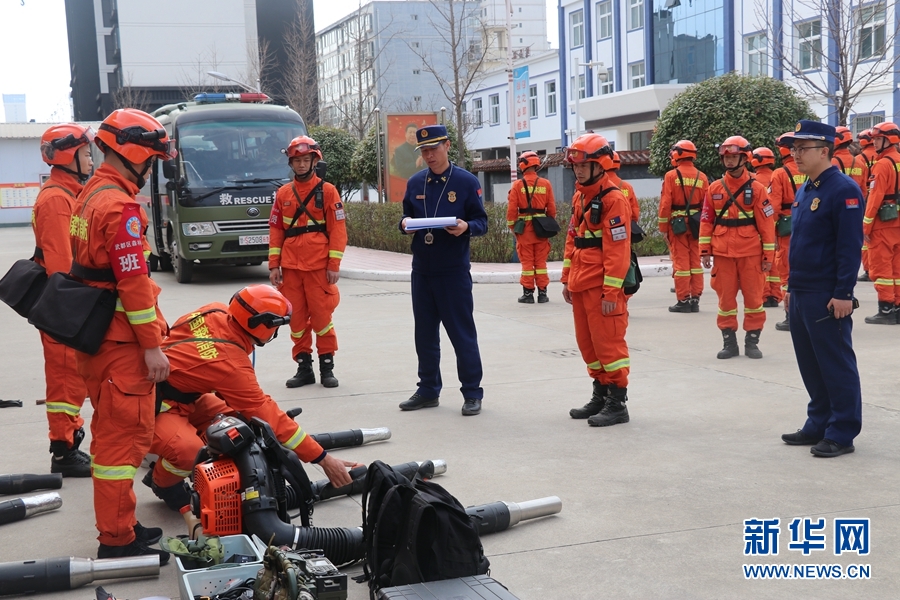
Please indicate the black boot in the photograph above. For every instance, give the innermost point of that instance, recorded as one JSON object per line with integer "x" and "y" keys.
{"x": 175, "y": 496}
{"x": 527, "y": 296}
{"x": 683, "y": 306}
{"x": 731, "y": 347}
{"x": 886, "y": 315}
{"x": 695, "y": 304}
{"x": 751, "y": 344}
{"x": 614, "y": 411}
{"x": 594, "y": 406}
{"x": 71, "y": 462}
{"x": 326, "y": 368}
{"x": 135, "y": 548}
{"x": 770, "y": 302}
{"x": 864, "y": 276}
{"x": 784, "y": 325}
{"x": 542, "y": 295}
{"x": 304, "y": 375}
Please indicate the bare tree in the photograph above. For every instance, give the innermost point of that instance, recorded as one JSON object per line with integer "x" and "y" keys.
{"x": 129, "y": 96}
{"x": 260, "y": 62}
{"x": 845, "y": 41}
{"x": 197, "y": 80}
{"x": 299, "y": 84}
{"x": 461, "y": 38}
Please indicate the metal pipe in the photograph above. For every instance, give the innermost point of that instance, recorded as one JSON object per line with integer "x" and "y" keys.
{"x": 68, "y": 573}
{"x": 323, "y": 490}
{"x": 351, "y": 437}
{"x": 499, "y": 516}
{"x": 21, "y": 484}
{"x": 20, "y": 508}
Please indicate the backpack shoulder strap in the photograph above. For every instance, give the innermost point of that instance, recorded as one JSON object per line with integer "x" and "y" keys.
{"x": 304, "y": 203}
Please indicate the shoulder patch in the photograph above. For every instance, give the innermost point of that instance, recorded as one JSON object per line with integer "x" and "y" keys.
{"x": 851, "y": 202}
{"x": 768, "y": 210}
{"x": 615, "y": 221}
{"x": 619, "y": 233}
{"x": 717, "y": 196}
{"x": 126, "y": 256}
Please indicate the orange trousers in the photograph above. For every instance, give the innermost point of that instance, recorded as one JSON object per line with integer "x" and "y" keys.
{"x": 533, "y": 258}
{"x": 884, "y": 263}
{"x": 688, "y": 274}
{"x": 776, "y": 279}
{"x": 65, "y": 390}
{"x": 121, "y": 433}
{"x": 601, "y": 339}
{"x": 313, "y": 300}
{"x": 179, "y": 434}
{"x": 745, "y": 274}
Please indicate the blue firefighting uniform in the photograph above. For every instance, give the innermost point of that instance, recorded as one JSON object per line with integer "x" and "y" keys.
{"x": 441, "y": 281}
{"x": 825, "y": 240}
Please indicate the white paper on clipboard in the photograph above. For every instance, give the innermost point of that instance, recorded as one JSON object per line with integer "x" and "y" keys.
{"x": 429, "y": 223}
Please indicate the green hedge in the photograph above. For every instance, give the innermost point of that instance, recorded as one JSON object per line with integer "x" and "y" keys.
{"x": 375, "y": 226}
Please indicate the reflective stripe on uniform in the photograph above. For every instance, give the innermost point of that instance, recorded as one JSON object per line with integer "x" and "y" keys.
{"x": 113, "y": 472}
{"x": 527, "y": 273}
{"x": 880, "y": 281}
{"x": 705, "y": 240}
{"x": 727, "y": 313}
{"x": 274, "y": 251}
{"x": 619, "y": 364}
{"x": 594, "y": 365}
{"x": 165, "y": 406}
{"x": 540, "y": 271}
{"x": 295, "y": 440}
{"x": 613, "y": 281}
{"x": 328, "y": 328}
{"x": 771, "y": 279}
{"x": 750, "y": 311}
{"x": 696, "y": 271}
{"x": 682, "y": 273}
{"x": 593, "y": 234}
{"x": 63, "y": 408}
{"x": 662, "y": 220}
{"x": 768, "y": 247}
{"x": 141, "y": 317}
{"x": 173, "y": 469}
{"x": 298, "y": 334}
{"x": 868, "y": 220}
{"x": 335, "y": 254}
{"x": 567, "y": 262}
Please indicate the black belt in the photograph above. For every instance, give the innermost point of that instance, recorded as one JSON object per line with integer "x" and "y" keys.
{"x": 166, "y": 391}
{"x": 531, "y": 211}
{"x": 891, "y": 197}
{"x": 588, "y": 242}
{"x": 685, "y": 207}
{"x": 83, "y": 272}
{"x": 735, "y": 222}
{"x": 786, "y": 205}
{"x": 295, "y": 231}
{"x": 38, "y": 253}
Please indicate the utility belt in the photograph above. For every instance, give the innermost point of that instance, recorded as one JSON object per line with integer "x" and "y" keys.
{"x": 786, "y": 205}
{"x": 295, "y": 231}
{"x": 684, "y": 207}
{"x": 166, "y": 391}
{"x": 585, "y": 242}
{"x": 532, "y": 211}
{"x": 38, "y": 253}
{"x": 744, "y": 221}
{"x": 89, "y": 274}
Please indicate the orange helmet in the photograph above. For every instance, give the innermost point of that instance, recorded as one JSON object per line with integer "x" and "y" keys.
{"x": 590, "y": 147}
{"x": 842, "y": 137}
{"x": 135, "y": 136}
{"x": 762, "y": 157}
{"x": 784, "y": 143}
{"x": 682, "y": 150}
{"x": 60, "y": 143}
{"x": 865, "y": 138}
{"x": 736, "y": 144}
{"x": 617, "y": 162}
{"x": 529, "y": 159}
{"x": 260, "y": 310}
{"x": 887, "y": 130}
{"x": 303, "y": 145}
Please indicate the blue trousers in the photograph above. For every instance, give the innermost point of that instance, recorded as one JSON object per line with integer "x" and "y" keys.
{"x": 828, "y": 367}
{"x": 447, "y": 299}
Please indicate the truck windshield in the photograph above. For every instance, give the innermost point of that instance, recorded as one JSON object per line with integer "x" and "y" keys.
{"x": 233, "y": 154}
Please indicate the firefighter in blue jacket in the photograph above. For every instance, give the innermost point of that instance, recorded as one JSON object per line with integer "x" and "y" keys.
{"x": 441, "y": 278}
{"x": 825, "y": 239}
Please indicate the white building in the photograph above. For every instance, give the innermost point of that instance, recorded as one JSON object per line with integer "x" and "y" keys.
{"x": 14, "y": 108}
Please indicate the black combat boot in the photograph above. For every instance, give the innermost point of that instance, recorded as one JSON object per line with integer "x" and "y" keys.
{"x": 542, "y": 295}
{"x": 326, "y": 370}
{"x": 614, "y": 411}
{"x": 751, "y": 344}
{"x": 864, "y": 276}
{"x": 695, "y": 304}
{"x": 304, "y": 375}
{"x": 175, "y": 496}
{"x": 886, "y": 315}
{"x": 71, "y": 462}
{"x": 731, "y": 345}
{"x": 683, "y": 306}
{"x": 784, "y": 325}
{"x": 770, "y": 302}
{"x": 527, "y": 296}
{"x": 594, "y": 406}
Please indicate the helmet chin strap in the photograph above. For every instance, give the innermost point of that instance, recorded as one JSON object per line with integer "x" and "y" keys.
{"x": 142, "y": 176}
{"x": 307, "y": 175}
{"x": 594, "y": 178}
{"x": 740, "y": 166}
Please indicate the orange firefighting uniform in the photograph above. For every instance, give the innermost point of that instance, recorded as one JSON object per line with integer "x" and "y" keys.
{"x": 225, "y": 368}
{"x": 683, "y": 186}
{"x": 304, "y": 259}
{"x": 107, "y": 232}
{"x": 532, "y": 250}
{"x": 739, "y": 242}
{"x": 870, "y": 155}
{"x": 854, "y": 167}
{"x": 595, "y": 272}
{"x": 785, "y": 183}
{"x": 884, "y": 236}
{"x": 50, "y": 220}
{"x": 628, "y": 191}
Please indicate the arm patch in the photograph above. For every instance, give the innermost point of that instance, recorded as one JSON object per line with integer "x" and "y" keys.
{"x": 126, "y": 256}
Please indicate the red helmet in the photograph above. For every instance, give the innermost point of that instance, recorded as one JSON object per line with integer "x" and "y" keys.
{"x": 682, "y": 150}
{"x": 529, "y": 159}
{"x": 842, "y": 136}
{"x": 887, "y": 130}
{"x": 762, "y": 157}
{"x": 784, "y": 142}
{"x": 260, "y": 310}
{"x": 736, "y": 144}
{"x": 865, "y": 138}
{"x": 617, "y": 162}
{"x": 590, "y": 147}
{"x": 60, "y": 143}
{"x": 135, "y": 135}
{"x": 303, "y": 145}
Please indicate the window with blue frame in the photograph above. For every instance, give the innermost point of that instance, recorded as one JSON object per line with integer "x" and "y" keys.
{"x": 809, "y": 45}
{"x": 576, "y": 29}
{"x": 604, "y": 20}
{"x": 689, "y": 40}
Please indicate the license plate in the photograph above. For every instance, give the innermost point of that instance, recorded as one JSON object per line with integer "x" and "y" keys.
{"x": 252, "y": 240}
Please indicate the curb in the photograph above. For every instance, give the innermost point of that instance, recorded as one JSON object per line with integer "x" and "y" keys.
{"x": 647, "y": 270}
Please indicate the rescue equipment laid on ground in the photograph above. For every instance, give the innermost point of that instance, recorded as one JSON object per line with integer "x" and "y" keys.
{"x": 20, "y": 508}
{"x": 69, "y": 572}
{"x": 21, "y": 483}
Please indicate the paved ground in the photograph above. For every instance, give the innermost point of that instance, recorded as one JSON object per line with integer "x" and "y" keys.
{"x": 651, "y": 510}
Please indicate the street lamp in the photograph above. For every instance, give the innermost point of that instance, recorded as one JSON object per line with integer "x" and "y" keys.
{"x": 577, "y": 91}
{"x": 225, "y": 77}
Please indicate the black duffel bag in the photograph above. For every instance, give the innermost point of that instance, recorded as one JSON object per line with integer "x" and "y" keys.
{"x": 545, "y": 227}
{"x": 74, "y": 313}
{"x": 22, "y": 285}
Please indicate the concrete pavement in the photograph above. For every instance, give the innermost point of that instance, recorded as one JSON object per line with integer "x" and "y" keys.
{"x": 652, "y": 509}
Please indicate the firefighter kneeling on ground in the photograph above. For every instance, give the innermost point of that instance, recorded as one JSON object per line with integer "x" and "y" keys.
{"x": 307, "y": 238}
{"x": 736, "y": 228}
{"x": 597, "y": 258}
{"x": 530, "y": 197}
{"x": 208, "y": 350}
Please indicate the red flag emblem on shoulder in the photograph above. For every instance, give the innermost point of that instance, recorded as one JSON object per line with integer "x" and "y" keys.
{"x": 852, "y": 202}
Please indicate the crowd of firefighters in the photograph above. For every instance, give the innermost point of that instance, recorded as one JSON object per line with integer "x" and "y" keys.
{"x": 151, "y": 385}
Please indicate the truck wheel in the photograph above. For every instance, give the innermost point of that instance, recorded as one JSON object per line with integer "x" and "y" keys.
{"x": 184, "y": 269}
{"x": 165, "y": 262}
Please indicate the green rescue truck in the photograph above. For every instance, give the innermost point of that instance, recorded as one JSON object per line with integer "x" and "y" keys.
{"x": 211, "y": 204}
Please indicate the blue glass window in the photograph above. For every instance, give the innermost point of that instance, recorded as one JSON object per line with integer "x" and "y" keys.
{"x": 689, "y": 40}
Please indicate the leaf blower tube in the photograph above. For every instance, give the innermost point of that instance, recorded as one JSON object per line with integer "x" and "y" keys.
{"x": 19, "y": 508}
{"x": 21, "y": 484}
{"x": 323, "y": 490}
{"x": 351, "y": 437}
{"x": 500, "y": 516}
{"x": 68, "y": 573}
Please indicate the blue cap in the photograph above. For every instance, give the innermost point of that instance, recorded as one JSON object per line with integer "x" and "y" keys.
{"x": 431, "y": 135}
{"x": 813, "y": 130}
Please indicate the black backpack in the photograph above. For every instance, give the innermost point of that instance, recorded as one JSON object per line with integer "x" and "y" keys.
{"x": 415, "y": 532}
